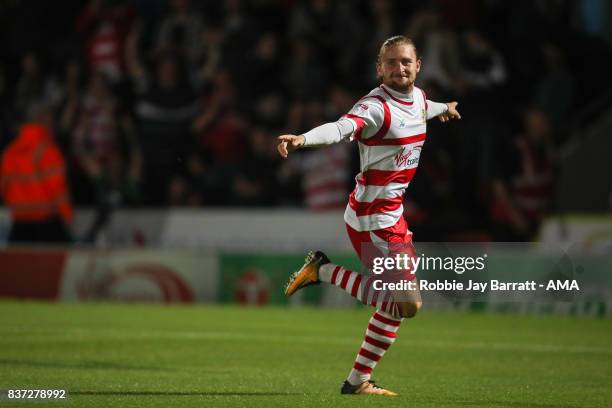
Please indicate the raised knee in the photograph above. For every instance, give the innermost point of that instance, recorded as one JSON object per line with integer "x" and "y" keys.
{"x": 409, "y": 309}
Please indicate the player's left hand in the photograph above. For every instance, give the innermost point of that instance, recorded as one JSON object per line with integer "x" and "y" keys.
{"x": 451, "y": 113}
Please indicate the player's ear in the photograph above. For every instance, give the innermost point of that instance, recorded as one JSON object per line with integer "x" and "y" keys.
{"x": 378, "y": 70}
{"x": 418, "y": 65}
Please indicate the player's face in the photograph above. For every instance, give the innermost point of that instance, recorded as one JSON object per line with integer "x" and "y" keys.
{"x": 398, "y": 67}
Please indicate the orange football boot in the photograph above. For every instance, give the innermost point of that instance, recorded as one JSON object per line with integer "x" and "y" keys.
{"x": 308, "y": 273}
{"x": 366, "y": 388}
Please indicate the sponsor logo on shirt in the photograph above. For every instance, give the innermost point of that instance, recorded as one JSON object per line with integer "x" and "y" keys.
{"x": 409, "y": 158}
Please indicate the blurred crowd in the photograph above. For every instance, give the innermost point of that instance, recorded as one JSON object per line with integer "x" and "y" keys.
{"x": 178, "y": 102}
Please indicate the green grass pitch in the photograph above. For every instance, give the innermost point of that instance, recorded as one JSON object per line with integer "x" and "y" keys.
{"x": 113, "y": 355}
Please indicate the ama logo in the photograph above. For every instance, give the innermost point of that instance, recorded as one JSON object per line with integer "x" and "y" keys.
{"x": 409, "y": 158}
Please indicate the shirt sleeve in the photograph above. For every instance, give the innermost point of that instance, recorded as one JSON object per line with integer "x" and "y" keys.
{"x": 364, "y": 119}
{"x": 435, "y": 108}
{"x": 368, "y": 116}
{"x": 329, "y": 133}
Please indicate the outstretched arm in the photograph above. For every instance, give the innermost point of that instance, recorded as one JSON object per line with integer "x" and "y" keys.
{"x": 365, "y": 118}
{"x": 326, "y": 134}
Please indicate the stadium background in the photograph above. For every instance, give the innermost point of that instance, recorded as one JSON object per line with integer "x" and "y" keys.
{"x": 167, "y": 111}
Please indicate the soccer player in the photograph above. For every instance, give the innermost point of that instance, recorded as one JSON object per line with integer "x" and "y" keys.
{"x": 389, "y": 125}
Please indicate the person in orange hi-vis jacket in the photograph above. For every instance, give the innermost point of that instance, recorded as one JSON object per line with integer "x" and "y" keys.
{"x": 34, "y": 188}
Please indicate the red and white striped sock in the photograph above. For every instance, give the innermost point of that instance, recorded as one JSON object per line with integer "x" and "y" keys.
{"x": 380, "y": 335}
{"x": 360, "y": 287}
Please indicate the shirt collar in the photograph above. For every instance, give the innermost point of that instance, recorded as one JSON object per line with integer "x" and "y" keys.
{"x": 399, "y": 95}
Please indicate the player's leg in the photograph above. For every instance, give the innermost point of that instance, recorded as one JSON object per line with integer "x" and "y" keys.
{"x": 409, "y": 309}
{"x": 393, "y": 241}
{"x": 407, "y": 302}
{"x": 382, "y": 328}
{"x": 380, "y": 334}
{"x": 384, "y": 323}
{"x": 317, "y": 268}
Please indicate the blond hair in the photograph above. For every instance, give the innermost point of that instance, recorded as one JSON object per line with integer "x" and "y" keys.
{"x": 394, "y": 42}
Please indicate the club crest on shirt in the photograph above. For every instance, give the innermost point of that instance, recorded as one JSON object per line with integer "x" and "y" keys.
{"x": 409, "y": 158}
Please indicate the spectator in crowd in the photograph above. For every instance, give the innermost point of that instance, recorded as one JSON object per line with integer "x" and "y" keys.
{"x": 33, "y": 182}
{"x": 165, "y": 106}
{"x": 324, "y": 178}
{"x": 193, "y": 186}
{"x": 383, "y": 15}
{"x": 102, "y": 134}
{"x": 316, "y": 22}
{"x": 104, "y": 25}
{"x": 524, "y": 180}
{"x": 554, "y": 91}
{"x": 239, "y": 34}
{"x": 205, "y": 82}
{"x": 181, "y": 32}
{"x": 118, "y": 185}
{"x": 256, "y": 188}
{"x": 268, "y": 100}
{"x": 220, "y": 131}
{"x": 439, "y": 45}
{"x": 314, "y": 19}
{"x": 212, "y": 42}
{"x": 34, "y": 86}
{"x": 482, "y": 64}
{"x": 73, "y": 88}
{"x": 305, "y": 76}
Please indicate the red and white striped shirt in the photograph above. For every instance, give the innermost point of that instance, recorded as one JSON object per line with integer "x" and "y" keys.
{"x": 390, "y": 128}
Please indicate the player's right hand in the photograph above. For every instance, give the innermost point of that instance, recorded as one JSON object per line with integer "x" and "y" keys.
{"x": 451, "y": 113}
{"x": 289, "y": 143}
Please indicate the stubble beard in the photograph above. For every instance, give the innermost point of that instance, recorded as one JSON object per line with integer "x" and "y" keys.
{"x": 403, "y": 88}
